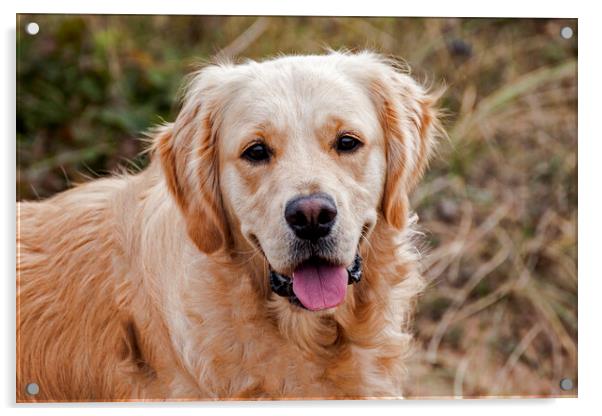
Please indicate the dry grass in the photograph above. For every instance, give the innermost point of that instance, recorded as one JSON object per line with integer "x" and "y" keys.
{"x": 498, "y": 206}
{"x": 500, "y": 209}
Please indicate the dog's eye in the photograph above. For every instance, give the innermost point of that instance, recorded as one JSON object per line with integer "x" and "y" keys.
{"x": 258, "y": 152}
{"x": 347, "y": 144}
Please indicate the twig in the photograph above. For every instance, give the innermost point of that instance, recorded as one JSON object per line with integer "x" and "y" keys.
{"x": 459, "y": 378}
{"x": 512, "y": 360}
{"x": 450, "y": 315}
{"x": 246, "y": 38}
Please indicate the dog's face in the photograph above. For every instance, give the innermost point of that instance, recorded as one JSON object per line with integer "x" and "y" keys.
{"x": 303, "y": 165}
{"x": 298, "y": 157}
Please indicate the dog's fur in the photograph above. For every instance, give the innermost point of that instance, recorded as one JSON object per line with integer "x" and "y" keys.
{"x": 155, "y": 285}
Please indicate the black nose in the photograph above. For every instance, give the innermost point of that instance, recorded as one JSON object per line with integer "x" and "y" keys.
{"x": 311, "y": 217}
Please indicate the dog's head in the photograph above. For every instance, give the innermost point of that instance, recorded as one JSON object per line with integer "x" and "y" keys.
{"x": 298, "y": 157}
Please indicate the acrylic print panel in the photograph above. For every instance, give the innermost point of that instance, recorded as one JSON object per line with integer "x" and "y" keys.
{"x": 203, "y": 215}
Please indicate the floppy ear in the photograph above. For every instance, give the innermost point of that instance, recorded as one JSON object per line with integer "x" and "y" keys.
{"x": 187, "y": 150}
{"x": 410, "y": 125}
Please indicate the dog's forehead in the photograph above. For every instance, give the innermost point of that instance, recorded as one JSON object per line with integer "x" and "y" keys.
{"x": 299, "y": 94}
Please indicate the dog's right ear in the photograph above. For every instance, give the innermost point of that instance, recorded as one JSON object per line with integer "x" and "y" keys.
{"x": 187, "y": 150}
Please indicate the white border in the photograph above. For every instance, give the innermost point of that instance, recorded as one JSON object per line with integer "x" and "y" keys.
{"x": 590, "y": 207}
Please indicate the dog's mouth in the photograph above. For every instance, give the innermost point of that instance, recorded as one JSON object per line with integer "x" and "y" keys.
{"x": 317, "y": 284}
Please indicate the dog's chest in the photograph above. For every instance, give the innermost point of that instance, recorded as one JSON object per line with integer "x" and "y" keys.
{"x": 243, "y": 359}
{"x": 230, "y": 348}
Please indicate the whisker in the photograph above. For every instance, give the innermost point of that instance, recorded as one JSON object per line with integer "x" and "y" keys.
{"x": 364, "y": 238}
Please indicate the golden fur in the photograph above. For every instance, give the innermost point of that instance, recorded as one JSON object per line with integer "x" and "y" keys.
{"x": 154, "y": 286}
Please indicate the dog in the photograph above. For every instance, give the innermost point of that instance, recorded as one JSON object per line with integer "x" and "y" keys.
{"x": 266, "y": 252}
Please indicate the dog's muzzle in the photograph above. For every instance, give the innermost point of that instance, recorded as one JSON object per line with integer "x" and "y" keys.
{"x": 283, "y": 285}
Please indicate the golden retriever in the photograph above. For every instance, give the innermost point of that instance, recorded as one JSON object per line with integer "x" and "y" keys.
{"x": 266, "y": 251}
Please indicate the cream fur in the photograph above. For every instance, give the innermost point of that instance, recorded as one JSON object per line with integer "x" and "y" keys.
{"x": 151, "y": 287}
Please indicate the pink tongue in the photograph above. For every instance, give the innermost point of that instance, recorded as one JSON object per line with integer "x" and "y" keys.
{"x": 320, "y": 286}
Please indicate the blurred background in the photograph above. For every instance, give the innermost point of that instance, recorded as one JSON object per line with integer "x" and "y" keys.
{"x": 498, "y": 206}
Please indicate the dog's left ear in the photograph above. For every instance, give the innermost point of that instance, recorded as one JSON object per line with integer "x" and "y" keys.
{"x": 409, "y": 120}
